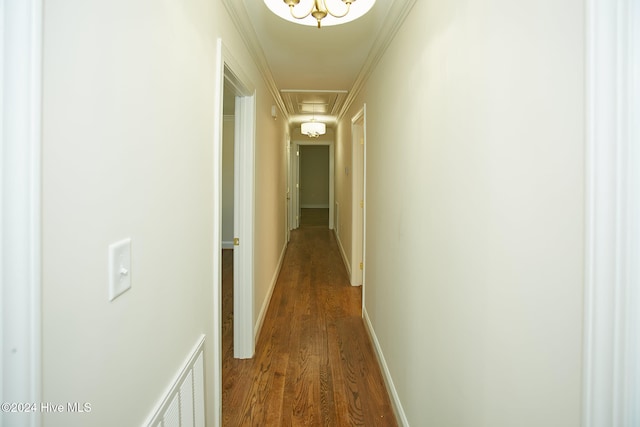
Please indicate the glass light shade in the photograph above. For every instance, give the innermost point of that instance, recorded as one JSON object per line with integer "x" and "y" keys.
{"x": 313, "y": 129}
{"x": 357, "y": 9}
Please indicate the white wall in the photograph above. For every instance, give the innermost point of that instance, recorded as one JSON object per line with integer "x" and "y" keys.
{"x": 475, "y": 200}
{"x": 127, "y": 152}
{"x": 270, "y": 198}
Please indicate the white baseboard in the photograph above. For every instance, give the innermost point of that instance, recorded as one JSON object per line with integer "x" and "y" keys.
{"x": 314, "y": 206}
{"x": 227, "y": 245}
{"x": 401, "y": 417}
{"x": 344, "y": 255}
{"x": 267, "y": 300}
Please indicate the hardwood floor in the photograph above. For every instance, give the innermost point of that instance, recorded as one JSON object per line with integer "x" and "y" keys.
{"x": 314, "y": 217}
{"x": 314, "y": 363}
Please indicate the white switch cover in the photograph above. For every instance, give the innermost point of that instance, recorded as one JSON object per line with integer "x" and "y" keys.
{"x": 119, "y": 268}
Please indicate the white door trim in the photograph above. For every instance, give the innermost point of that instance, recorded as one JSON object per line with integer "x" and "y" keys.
{"x": 20, "y": 156}
{"x": 358, "y": 191}
{"x": 611, "y": 391}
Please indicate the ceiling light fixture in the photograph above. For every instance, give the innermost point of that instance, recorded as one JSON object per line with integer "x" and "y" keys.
{"x": 320, "y": 12}
{"x": 313, "y": 129}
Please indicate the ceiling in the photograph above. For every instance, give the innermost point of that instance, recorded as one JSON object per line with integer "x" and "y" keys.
{"x": 311, "y": 71}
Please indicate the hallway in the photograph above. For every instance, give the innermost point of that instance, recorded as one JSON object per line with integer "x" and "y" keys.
{"x": 488, "y": 147}
{"x": 314, "y": 363}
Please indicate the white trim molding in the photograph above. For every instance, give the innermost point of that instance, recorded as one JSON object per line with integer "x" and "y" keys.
{"x": 241, "y": 21}
{"x": 395, "y": 18}
{"x": 398, "y": 11}
{"x": 183, "y": 402}
{"x": 265, "y": 304}
{"x": 227, "y": 244}
{"x": 612, "y": 275}
{"x": 345, "y": 260}
{"x": 401, "y": 417}
{"x": 20, "y": 127}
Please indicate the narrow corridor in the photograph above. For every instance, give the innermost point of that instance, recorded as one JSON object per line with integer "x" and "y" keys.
{"x": 314, "y": 363}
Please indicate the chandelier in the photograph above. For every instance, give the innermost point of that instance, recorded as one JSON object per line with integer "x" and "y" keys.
{"x": 320, "y": 12}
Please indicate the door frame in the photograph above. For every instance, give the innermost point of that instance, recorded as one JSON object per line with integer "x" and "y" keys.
{"x": 611, "y": 368}
{"x": 21, "y": 206}
{"x": 294, "y": 167}
{"x": 227, "y": 68}
{"x": 358, "y": 191}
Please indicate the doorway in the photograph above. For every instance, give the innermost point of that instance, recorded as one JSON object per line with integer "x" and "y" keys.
{"x": 314, "y": 185}
{"x": 297, "y": 176}
{"x": 228, "y": 224}
{"x": 231, "y": 79}
{"x": 242, "y": 100}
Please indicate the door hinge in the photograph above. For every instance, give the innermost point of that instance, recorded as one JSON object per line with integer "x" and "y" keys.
{"x": 236, "y": 241}
{"x": 361, "y": 266}
{"x": 361, "y": 141}
{"x": 362, "y": 203}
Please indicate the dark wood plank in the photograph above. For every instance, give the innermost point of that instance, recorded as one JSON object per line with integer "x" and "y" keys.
{"x": 314, "y": 362}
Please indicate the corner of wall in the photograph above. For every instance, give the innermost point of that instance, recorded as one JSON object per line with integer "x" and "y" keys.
{"x": 267, "y": 299}
{"x": 398, "y": 410}
{"x": 343, "y": 254}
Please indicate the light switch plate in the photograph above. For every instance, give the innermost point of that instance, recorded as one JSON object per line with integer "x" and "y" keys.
{"x": 119, "y": 268}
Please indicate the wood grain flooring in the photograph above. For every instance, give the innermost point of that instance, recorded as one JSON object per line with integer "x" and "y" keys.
{"x": 314, "y": 363}
{"x": 314, "y": 217}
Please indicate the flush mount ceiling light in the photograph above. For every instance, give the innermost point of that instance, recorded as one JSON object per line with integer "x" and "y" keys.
{"x": 315, "y": 12}
{"x": 314, "y": 129}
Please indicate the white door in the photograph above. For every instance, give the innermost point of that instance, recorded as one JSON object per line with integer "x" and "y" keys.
{"x": 296, "y": 190}
{"x": 243, "y": 215}
{"x": 358, "y": 202}
{"x": 288, "y": 201}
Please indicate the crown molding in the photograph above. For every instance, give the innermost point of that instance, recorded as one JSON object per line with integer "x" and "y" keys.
{"x": 241, "y": 21}
{"x": 398, "y": 12}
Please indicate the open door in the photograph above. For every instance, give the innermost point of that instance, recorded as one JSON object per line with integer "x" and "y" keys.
{"x": 358, "y": 194}
{"x": 288, "y": 201}
{"x": 243, "y": 335}
{"x": 234, "y": 82}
